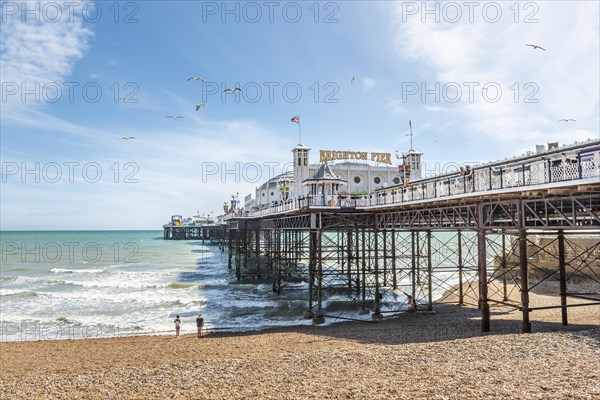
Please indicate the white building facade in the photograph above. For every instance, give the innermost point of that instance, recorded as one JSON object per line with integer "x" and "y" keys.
{"x": 338, "y": 173}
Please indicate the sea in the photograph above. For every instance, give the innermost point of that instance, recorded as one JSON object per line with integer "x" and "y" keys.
{"x": 88, "y": 284}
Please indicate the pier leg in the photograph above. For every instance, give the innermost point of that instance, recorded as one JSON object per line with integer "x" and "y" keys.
{"x": 318, "y": 318}
{"x": 461, "y": 295}
{"x": 230, "y": 248}
{"x": 246, "y": 247}
{"x": 394, "y": 277}
{"x": 358, "y": 262}
{"x": 483, "y": 287}
{"x": 418, "y": 257}
{"x": 563, "y": 276}
{"x": 414, "y": 268}
{"x": 257, "y": 252}
{"x": 525, "y": 324}
{"x": 238, "y": 261}
{"x": 312, "y": 264}
{"x": 349, "y": 257}
{"x": 503, "y": 268}
{"x": 363, "y": 279}
{"x": 429, "y": 274}
{"x": 377, "y": 312}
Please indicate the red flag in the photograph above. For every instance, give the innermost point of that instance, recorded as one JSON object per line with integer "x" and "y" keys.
{"x": 296, "y": 119}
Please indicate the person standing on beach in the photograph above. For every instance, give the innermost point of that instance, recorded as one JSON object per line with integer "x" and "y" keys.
{"x": 177, "y": 326}
{"x": 199, "y": 323}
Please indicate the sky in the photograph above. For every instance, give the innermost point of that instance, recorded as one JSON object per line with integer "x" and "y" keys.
{"x": 78, "y": 76}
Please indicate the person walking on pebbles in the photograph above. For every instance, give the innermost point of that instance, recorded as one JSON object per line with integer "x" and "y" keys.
{"x": 177, "y": 326}
{"x": 199, "y": 323}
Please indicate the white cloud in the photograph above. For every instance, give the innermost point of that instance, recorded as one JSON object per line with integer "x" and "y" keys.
{"x": 367, "y": 82}
{"x": 40, "y": 52}
{"x": 563, "y": 80}
{"x": 395, "y": 105}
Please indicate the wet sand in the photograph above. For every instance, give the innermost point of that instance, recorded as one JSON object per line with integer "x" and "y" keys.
{"x": 417, "y": 355}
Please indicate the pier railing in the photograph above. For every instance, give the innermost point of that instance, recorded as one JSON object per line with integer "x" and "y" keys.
{"x": 564, "y": 165}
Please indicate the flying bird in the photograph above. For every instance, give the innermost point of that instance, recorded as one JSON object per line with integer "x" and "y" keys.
{"x": 228, "y": 90}
{"x": 567, "y": 120}
{"x": 535, "y": 46}
{"x": 173, "y": 116}
{"x": 199, "y": 106}
{"x": 195, "y": 78}
{"x": 353, "y": 78}
{"x": 127, "y": 137}
{"x": 397, "y": 154}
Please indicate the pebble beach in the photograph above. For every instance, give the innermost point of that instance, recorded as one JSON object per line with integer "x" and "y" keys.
{"x": 418, "y": 355}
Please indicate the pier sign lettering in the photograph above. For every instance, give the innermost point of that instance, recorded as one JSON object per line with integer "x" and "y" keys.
{"x": 331, "y": 155}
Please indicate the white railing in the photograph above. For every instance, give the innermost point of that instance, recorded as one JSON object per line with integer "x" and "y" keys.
{"x": 536, "y": 170}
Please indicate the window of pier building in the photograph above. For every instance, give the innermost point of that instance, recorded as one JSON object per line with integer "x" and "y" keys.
{"x": 377, "y": 180}
{"x": 357, "y": 179}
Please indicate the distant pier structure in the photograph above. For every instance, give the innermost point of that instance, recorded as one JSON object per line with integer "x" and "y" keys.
{"x": 195, "y": 228}
{"x": 486, "y": 235}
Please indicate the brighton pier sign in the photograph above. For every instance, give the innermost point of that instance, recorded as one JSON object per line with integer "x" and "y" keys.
{"x": 332, "y": 155}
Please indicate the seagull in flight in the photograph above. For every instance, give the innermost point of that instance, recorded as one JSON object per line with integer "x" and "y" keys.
{"x": 567, "y": 120}
{"x": 228, "y": 90}
{"x": 173, "y": 116}
{"x": 127, "y": 137}
{"x": 535, "y": 46}
{"x": 199, "y": 106}
{"x": 397, "y": 154}
{"x": 195, "y": 78}
{"x": 353, "y": 78}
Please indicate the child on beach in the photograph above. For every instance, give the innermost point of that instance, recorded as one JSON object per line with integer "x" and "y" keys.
{"x": 177, "y": 326}
{"x": 199, "y": 323}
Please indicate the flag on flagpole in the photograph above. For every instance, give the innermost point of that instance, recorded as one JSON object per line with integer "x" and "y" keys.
{"x": 296, "y": 119}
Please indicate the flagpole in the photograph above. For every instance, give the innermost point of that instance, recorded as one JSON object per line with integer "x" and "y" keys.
{"x": 299, "y": 134}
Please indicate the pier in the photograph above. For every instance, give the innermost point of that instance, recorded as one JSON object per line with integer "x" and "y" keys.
{"x": 212, "y": 233}
{"x": 453, "y": 238}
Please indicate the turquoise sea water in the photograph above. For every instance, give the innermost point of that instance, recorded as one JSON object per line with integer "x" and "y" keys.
{"x": 61, "y": 285}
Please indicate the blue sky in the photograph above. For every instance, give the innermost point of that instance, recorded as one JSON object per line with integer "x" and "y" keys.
{"x": 408, "y": 64}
